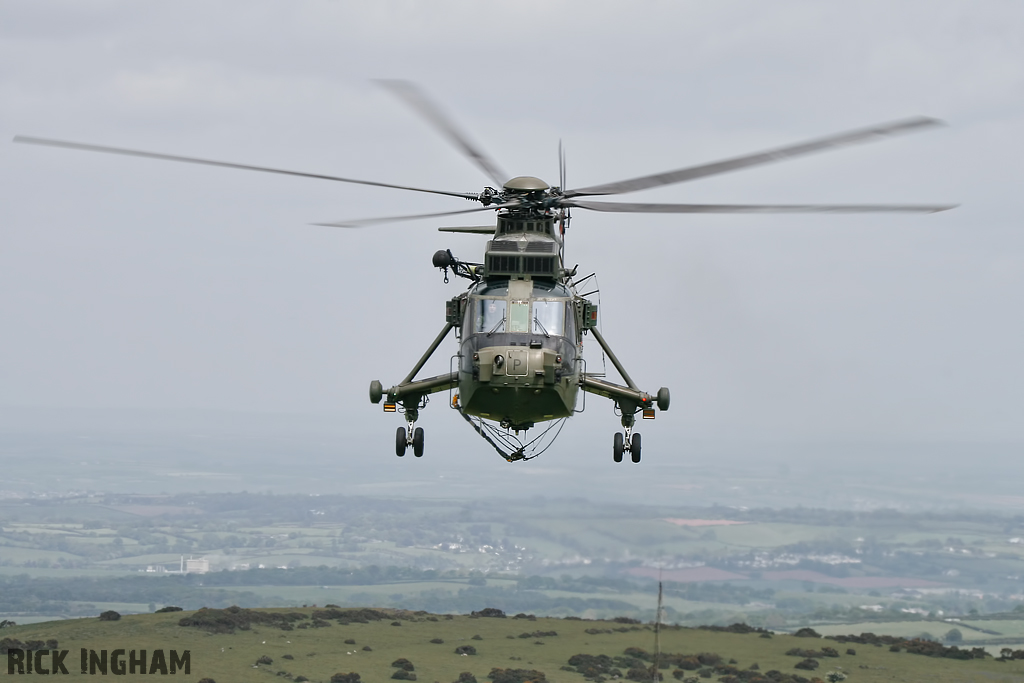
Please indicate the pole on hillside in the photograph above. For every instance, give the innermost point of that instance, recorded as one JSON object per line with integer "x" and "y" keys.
{"x": 656, "y": 675}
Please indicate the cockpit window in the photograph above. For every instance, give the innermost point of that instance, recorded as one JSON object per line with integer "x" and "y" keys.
{"x": 490, "y": 315}
{"x": 548, "y": 317}
{"x": 519, "y": 317}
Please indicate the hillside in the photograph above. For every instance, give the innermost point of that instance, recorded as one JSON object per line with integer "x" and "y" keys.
{"x": 315, "y": 644}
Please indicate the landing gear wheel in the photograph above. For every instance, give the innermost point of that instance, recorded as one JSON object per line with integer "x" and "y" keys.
{"x": 634, "y": 448}
{"x": 417, "y": 442}
{"x": 617, "y": 447}
{"x": 400, "y": 442}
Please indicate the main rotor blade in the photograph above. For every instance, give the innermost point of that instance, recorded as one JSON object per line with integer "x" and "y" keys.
{"x": 360, "y": 222}
{"x": 629, "y": 207}
{"x": 224, "y": 164}
{"x": 872, "y": 134}
{"x": 418, "y": 100}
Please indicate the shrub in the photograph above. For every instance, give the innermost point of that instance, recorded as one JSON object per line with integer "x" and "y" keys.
{"x": 396, "y": 623}
{"x": 466, "y": 677}
{"x": 465, "y": 650}
{"x": 437, "y": 641}
{"x": 807, "y": 632}
{"x": 476, "y": 637}
{"x": 301, "y": 679}
{"x": 109, "y": 615}
{"x": 592, "y": 666}
{"x": 850, "y": 651}
{"x": 489, "y": 612}
{"x": 807, "y": 664}
{"x": 403, "y": 675}
{"x": 364, "y": 615}
{"x": 345, "y": 678}
{"x": 264, "y": 660}
{"x": 403, "y": 663}
{"x": 517, "y": 676}
{"x": 835, "y": 676}
{"x": 231, "y": 618}
{"x": 350, "y": 641}
{"x": 690, "y": 663}
{"x": 367, "y": 648}
{"x": 7, "y": 644}
{"x": 169, "y": 608}
{"x": 206, "y": 680}
{"x": 287, "y": 657}
{"x": 738, "y": 627}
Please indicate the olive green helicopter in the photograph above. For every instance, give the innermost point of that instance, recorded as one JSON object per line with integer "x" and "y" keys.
{"x": 521, "y": 323}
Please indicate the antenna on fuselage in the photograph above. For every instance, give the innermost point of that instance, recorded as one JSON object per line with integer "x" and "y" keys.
{"x": 565, "y": 214}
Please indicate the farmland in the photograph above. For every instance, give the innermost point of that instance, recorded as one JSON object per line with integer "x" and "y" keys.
{"x": 63, "y": 557}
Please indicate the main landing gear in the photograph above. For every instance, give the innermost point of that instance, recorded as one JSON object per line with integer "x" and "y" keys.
{"x": 629, "y": 402}
{"x": 410, "y": 397}
{"x": 629, "y": 443}
{"x": 411, "y": 437}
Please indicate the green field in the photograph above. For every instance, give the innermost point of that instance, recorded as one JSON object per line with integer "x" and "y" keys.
{"x": 318, "y": 653}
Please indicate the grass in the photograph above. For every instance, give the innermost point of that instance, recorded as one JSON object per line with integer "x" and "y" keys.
{"x": 320, "y": 652}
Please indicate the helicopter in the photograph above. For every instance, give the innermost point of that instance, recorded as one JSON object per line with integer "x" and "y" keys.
{"x": 521, "y": 323}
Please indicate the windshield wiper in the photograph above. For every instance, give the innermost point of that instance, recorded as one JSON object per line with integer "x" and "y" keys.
{"x": 541, "y": 326}
{"x": 496, "y": 326}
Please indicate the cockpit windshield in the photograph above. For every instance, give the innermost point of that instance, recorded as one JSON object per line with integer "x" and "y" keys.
{"x": 548, "y": 318}
{"x": 490, "y": 315}
{"x": 519, "y": 317}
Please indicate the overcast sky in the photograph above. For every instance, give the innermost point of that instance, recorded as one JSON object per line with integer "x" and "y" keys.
{"x": 127, "y": 283}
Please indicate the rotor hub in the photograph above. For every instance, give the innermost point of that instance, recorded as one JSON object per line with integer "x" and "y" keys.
{"x": 526, "y": 183}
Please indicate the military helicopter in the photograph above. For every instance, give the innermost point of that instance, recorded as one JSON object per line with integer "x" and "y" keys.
{"x": 522, "y": 321}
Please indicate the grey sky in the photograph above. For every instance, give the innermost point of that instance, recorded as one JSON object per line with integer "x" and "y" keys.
{"x": 130, "y": 283}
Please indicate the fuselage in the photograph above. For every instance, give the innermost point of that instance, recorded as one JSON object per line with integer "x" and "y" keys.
{"x": 520, "y": 340}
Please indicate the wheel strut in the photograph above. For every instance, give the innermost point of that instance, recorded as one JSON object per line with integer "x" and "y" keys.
{"x": 626, "y": 441}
